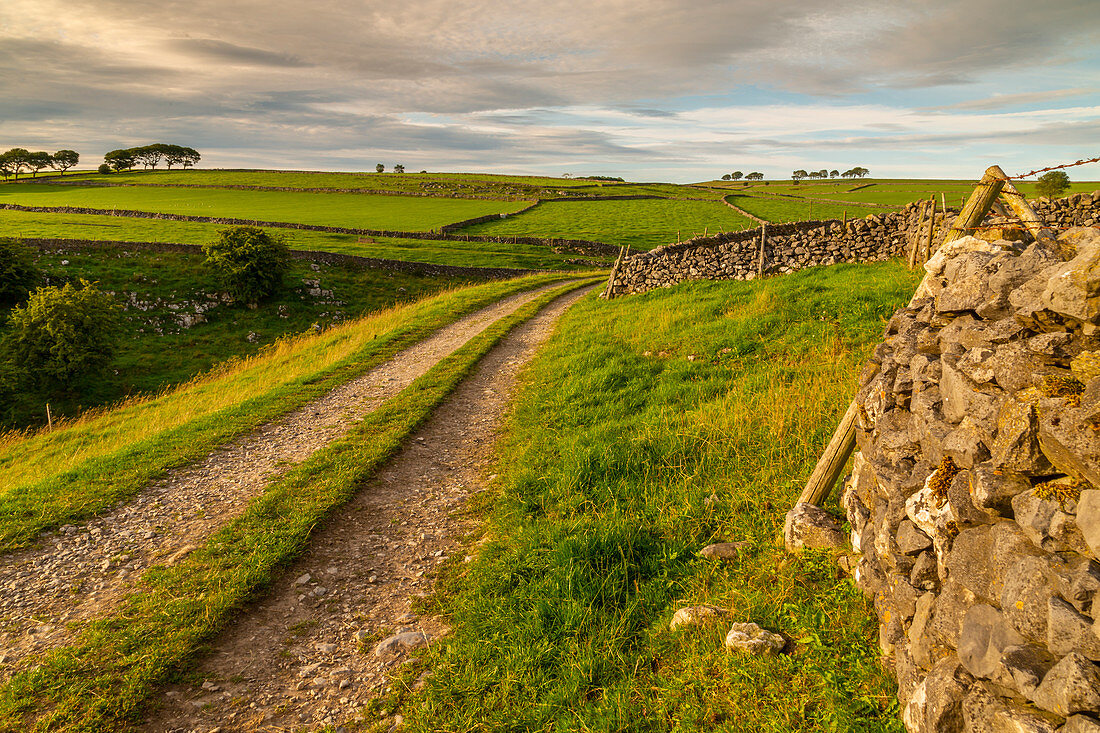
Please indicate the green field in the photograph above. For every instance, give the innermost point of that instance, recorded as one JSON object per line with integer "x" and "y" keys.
{"x": 156, "y": 350}
{"x": 625, "y": 458}
{"x": 439, "y": 252}
{"x": 780, "y": 209}
{"x": 358, "y": 211}
{"x": 644, "y": 224}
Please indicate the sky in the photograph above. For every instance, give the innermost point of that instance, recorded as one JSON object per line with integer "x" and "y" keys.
{"x": 658, "y": 90}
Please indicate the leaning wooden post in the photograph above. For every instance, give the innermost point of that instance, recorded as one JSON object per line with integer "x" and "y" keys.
{"x": 1024, "y": 212}
{"x": 608, "y": 291}
{"x": 977, "y": 206}
{"x": 914, "y": 236}
{"x": 760, "y": 259}
{"x": 926, "y": 250}
{"x": 840, "y": 446}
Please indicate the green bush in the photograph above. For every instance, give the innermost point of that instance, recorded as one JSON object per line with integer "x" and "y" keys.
{"x": 1052, "y": 184}
{"x": 249, "y": 262}
{"x": 103, "y": 169}
{"x": 61, "y": 335}
{"x": 18, "y": 273}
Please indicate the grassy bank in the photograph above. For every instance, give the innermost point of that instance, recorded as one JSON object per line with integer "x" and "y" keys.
{"x": 50, "y": 478}
{"x": 781, "y": 210}
{"x": 104, "y": 679}
{"x": 162, "y": 293}
{"x": 649, "y": 427}
{"x": 644, "y": 223}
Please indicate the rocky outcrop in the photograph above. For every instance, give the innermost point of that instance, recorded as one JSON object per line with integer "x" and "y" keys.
{"x": 791, "y": 247}
{"x": 974, "y": 500}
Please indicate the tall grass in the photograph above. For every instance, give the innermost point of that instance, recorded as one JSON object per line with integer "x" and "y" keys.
{"x": 47, "y": 478}
{"x": 623, "y": 459}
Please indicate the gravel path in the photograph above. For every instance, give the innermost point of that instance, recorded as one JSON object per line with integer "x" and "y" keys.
{"x": 80, "y": 572}
{"x": 308, "y": 655}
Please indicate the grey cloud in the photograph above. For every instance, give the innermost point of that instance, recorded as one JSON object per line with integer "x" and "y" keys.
{"x": 1000, "y": 101}
{"x": 221, "y": 51}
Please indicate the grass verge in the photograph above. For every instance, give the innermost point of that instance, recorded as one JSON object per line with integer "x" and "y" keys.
{"x": 117, "y": 663}
{"x": 649, "y": 427}
{"x": 103, "y": 457}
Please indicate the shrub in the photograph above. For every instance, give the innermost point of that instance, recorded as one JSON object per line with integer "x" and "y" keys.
{"x": 249, "y": 262}
{"x": 61, "y": 335}
{"x": 1053, "y": 183}
{"x": 18, "y": 273}
{"x": 104, "y": 168}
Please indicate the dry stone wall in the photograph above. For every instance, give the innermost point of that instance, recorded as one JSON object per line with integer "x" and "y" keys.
{"x": 974, "y": 499}
{"x": 791, "y": 247}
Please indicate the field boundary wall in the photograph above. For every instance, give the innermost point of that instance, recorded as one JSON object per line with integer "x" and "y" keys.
{"x": 792, "y": 247}
{"x": 579, "y": 246}
{"x": 329, "y": 258}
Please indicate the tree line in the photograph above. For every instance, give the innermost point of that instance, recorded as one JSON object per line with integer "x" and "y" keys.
{"x": 857, "y": 172}
{"x": 149, "y": 156}
{"x": 18, "y": 160}
{"x": 738, "y": 175}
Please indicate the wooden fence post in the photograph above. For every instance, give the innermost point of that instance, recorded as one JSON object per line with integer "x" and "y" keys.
{"x": 926, "y": 250}
{"x": 1026, "y": 214}
{"x": 607, "y": 293}
{"x": 760, "y": 259}
{"x": 914, "y": 236}
{"x": 977, "y": 205}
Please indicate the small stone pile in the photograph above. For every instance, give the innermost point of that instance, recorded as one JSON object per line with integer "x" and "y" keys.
{"x": 974, "y": 499}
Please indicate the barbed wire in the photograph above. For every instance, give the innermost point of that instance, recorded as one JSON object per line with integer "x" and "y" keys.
{"x": 1052, "y": 168}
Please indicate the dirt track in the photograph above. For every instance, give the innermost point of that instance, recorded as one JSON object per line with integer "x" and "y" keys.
{"x": 81, "y": 572}
{"x": 305, "y": 655}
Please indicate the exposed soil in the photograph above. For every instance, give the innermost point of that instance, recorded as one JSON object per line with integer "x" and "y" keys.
{"x": 80, "y": 572}
{"x": 307, "y": 655}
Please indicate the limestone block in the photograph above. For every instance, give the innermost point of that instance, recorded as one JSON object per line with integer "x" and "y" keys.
{"x": 696, "y": 616}
{"x": 1016, "y": 445}
{"x": 1023, "y": 667}
{"x": 1070, "y": 631}
{"x": 984, "y": 636}
{"x": 750, "y": 638}
{"x": 1049, "y": 524}
{"x": 1071, "y": 686}
{"x": 809, "y": 526}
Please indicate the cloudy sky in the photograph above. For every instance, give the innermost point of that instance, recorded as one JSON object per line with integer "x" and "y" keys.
{"x": 675, "y": 90}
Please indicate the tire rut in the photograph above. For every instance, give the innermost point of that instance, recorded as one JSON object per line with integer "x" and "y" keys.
{"x": 305, "y": 655}
{"x": 77, "y": 573}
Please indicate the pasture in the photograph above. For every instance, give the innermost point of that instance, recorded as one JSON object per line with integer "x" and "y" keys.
{"x": 640, "y": 223}
{"x": 439, "y": 252}
{"x": 357, "y": 211}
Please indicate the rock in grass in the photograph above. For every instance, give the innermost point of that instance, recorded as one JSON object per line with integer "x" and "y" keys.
{"x": 723, "y": 550}
{"x": 750, "y": 638}
{"x": 399, "y": 644}
{"x": 811, "y": 527}
{"x": 696, "y": 615}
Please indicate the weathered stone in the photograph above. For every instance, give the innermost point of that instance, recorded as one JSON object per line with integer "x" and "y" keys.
{"x": 1081, "y": 724}
{"x": 925, "y": 572}
{"x": 1088, "y": 519}
{"x": 1053, "y": 345}
{"x": 951, "y": 606}
{"x": 962, "y": 504}
{"x": 1025, "y": 597}
{"x": 1014, "y": 367}
{"x": 1086, "y": 366}
{"x": 984, "y": 636}
{"x": 936, "y": 703}
{"x": 920, "y": 642}
{"x": 992, "y": 490}
{"x": 1023, "y": 667}
{"x": 907, "y": 674}
{"x": 750, "y": 638}
{"x": 928, "y": 506}
{"x": 1016, "y": 446}
{"x": 696, "y": 616}
{"x": 962, "y": 399}
{"x": 1071, "y": 686}
{"x": 1070, "y": 442}
{"x": 964, "y": 444}
{"x": 1049, "y": 524}
{"x": 1073, "y": 289}
{"x": 400, "y": 644}
{"x": 911, "y": 540}
{"x": 1069, "y": 631}
{"x": 891, "y": 634}
{"x": 969, "y": 562}
{"x": 811, "y": 527}
{"x": 975, "y": 364}
{"x": 985, "y": 710}
{"x": 723, "y": 550}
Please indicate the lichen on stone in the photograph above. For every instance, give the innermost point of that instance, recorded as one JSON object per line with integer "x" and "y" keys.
{"x": 1067, "y": 388}
{"x": 941, "y": 480}
{"x": 1062, "y": 490}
